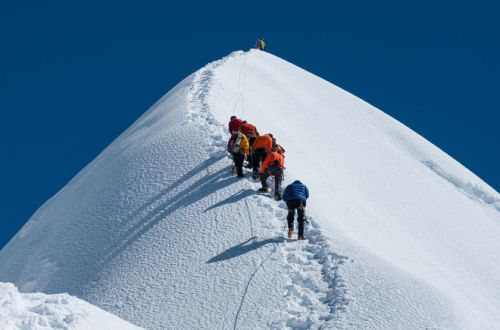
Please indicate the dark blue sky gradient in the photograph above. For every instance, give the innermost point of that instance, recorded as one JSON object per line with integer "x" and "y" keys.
{"x": 75, "y": 74}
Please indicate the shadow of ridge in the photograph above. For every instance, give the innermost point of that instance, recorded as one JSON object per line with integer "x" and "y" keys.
{"x": 233, "y": 199}
{"x": 244, "y": 247}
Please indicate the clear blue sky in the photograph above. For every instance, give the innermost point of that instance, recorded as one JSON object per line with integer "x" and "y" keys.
{"x": 75, "y": 74}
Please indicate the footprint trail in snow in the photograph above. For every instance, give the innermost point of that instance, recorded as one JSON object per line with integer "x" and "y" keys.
{"x": 312, "y": 291}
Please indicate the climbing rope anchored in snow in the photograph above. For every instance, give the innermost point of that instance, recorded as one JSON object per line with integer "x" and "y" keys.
{"x": 308, "y": 269}
{"x": 241, "y": 88}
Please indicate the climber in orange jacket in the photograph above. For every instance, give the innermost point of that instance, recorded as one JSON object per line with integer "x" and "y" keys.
{"x": 274, "y": 165}
{"x": 279, "y": 148}
{"x": 261, "y": 147}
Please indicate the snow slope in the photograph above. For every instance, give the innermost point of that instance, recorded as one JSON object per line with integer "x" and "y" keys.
{"x": 157, "y": 230}
{"x": 38, "y": 311}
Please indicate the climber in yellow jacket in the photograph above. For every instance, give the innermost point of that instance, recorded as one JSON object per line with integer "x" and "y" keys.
{"x": 239, "y": 147}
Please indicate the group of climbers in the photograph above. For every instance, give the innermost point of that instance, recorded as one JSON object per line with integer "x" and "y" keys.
{"x": 267, "y": 159}
{"x": 263, "y": 154}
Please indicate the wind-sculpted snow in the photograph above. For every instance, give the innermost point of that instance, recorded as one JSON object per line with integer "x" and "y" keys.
{"x": 473, "y": 190}
{"x": 158, "y": 231}
{"x": 38, "y": 311}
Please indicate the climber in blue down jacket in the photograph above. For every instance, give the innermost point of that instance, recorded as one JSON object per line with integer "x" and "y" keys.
{"x": 295, "y": 196}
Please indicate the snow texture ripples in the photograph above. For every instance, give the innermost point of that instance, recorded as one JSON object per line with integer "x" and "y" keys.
{"x": 159, "y": 232}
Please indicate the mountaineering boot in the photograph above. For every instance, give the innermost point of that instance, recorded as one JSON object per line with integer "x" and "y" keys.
{"x": 301, "y": 229}
{"x": 277, "y": 196}
{"x": 239, "y": 172}
{"x": 290, "y": 232}
{"x": 255, "y": 175}
{"x": 264, "y": 189}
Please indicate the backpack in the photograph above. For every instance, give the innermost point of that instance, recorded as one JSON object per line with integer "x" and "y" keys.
{"x": 236, "y": 144}
{"x": 250, "y": 135}
{"x": 275, "y": 169}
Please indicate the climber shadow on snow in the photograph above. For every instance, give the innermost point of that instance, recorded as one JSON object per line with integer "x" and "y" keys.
{"x": 198, "y": 190}
{"x": 233, "y": 199}
{"x": 203, "y": 166}
{"x": 250, "y": 244}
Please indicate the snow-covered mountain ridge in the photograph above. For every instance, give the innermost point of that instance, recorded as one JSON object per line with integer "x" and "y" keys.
{"x": 157, "y": 230}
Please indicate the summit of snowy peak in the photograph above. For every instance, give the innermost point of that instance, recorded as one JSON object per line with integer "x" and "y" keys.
{"x": 158, "y": 231}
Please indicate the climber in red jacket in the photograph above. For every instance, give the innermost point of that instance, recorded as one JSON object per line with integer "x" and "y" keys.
{"x": 234, "y": 125}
